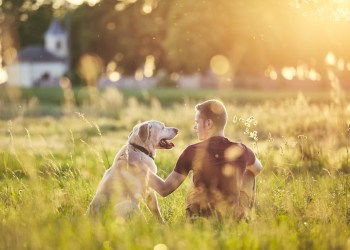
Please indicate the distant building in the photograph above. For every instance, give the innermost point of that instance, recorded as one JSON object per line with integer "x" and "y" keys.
{"x": 42, "y": 66}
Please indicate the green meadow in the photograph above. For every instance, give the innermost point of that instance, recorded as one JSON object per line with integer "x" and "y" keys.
{"x": 55, "y": 145}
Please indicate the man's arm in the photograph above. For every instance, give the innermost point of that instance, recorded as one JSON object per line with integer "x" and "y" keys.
{"x": 164, "y": 188}
{"x": 256, "y": 167}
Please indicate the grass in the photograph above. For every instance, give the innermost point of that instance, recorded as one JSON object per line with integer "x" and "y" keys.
{"x": 52, "y": 161}
{"x": 167, "y": 96}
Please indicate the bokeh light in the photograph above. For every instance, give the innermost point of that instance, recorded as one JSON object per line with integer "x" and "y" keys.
{"x": 233, "y": 153}
{"x": 330, "y": 59}
{"x": 149, "y": 66}
{"x": 174, "y": 76}
{"x": 138, "y": 75}
{"x": 75, "y": 2}
{"x": 90, "y": 67}
{"x": 271, "y": 73}
{"x": 220, "y": 65}
{"x": 114, "y": 76}
{"x": 146, "y": 8}
{"x": 288, "y": 73}
{"x": 314, "y": 75}
{"x": 160, "y": 247}
{"x": 3, "y": 75}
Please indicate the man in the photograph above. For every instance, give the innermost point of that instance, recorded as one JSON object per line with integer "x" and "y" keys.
{"x": 224, "y": 172}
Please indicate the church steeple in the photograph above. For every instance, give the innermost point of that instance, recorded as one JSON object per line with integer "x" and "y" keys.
{"x": 56, "y": 40}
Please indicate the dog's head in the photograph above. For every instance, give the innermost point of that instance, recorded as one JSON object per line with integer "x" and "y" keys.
{"x": 152, "y": 135}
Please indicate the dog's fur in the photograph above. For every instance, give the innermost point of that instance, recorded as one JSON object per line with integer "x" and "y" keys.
{"x": 125, "y": 182}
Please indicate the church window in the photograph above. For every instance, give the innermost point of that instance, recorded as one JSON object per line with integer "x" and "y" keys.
{"x": 58, "y": 45}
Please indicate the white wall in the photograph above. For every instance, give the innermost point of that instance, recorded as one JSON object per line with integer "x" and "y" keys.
{"x": 51, "y": 45}
{"x": 25, "y": 74}
{"x": 13, "y": 74}
{"x": 19, "y": 75}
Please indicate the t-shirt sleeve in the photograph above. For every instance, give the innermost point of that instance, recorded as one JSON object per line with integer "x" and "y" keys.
{"x": 248, "y": 155}
{"x": 183, "y": 164}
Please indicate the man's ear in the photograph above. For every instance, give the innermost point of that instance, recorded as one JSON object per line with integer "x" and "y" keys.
{"x": 209, "y": 123}
{"x": 143, "y": 132}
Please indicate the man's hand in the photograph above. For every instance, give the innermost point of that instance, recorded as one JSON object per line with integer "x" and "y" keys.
{"x": 164, "y": 188}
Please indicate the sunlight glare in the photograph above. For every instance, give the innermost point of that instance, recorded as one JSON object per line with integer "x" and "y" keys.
{"x": 146, "y": 8}
{"x": 149, "y": 66}
{"x": 75, "y": 2}
{"x": 79, "y": 2}
{"x": 56, "y": 5}
{"x": 219, "y": 65}
{"x": 314, "y": 75}
{"x": 120, "y": 6}
{"x": 330, "y": 59}
{"x": 233, "y": 153}
{"x": 341, "y": 64}
{"x": 288, "y": 73}
{"x": 335, "y": 10}
{"x": 92, "y": 2}
{"x": 90, "y": 67}
{"x": 228, "y": 170}
{"x": 138, "y": 75}
{"x": 331, "y": 75}
{"x": 23, "y": 17}
{"x": 160, "y": 247}
{"x": 114, "y": 76}
{"x": 271, "y": 73}
{"x": 111, "y": 66}
{"x": 3, "y": 76}
{"x": 301, "y": 72}
{"x": 348, "y": 109}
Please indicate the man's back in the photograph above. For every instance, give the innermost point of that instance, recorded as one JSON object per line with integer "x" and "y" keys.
{"x": 218, "y": 165}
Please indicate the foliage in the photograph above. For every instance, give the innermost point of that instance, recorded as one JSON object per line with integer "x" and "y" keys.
{"x": 33, "y": 29}
{"x": 28, "y": 20}
{"x": 176, "y": 31}
{"x": 183, "y": 36}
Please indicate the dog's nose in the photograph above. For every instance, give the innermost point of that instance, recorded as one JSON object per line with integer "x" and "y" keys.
{"x": 176, "y": 130}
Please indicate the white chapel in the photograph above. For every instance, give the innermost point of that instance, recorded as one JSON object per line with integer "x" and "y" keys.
{"x": 37, "y": 65}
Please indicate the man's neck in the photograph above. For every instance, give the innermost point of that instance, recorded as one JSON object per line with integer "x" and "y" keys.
{"x": 218, "y": 133}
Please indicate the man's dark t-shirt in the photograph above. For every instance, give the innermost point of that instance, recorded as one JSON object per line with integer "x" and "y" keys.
{"x": 218, "y": 165}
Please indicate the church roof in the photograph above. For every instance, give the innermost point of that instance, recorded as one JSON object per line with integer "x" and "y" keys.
{"x": 37, "y": 53}
{"x": 55, "y": 28}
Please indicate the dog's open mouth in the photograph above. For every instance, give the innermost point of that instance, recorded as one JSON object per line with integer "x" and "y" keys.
{"x": 164, "y": 143}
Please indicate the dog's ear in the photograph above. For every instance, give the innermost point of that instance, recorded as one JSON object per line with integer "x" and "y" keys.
{"x": 143, "y": 132}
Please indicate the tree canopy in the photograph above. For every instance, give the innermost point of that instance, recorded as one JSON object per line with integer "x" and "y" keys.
{"x": 184, "y": 35}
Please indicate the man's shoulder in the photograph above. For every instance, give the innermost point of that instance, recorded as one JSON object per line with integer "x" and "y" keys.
{"x": 223, "y": 141}
{"x": 236, "y": 143}
{"x": 193, "y": 146}
{"x": 243, "y": 147}
{"x": 227, "y": 142}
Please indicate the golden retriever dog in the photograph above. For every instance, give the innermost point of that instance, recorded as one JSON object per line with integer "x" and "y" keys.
{"x": 125, "y": 183}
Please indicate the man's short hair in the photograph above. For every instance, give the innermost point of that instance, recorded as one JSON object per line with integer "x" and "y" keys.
{"x": 214, "y": 110}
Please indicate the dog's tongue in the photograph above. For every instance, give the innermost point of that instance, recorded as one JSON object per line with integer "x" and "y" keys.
{"x": 166, "y": 144}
